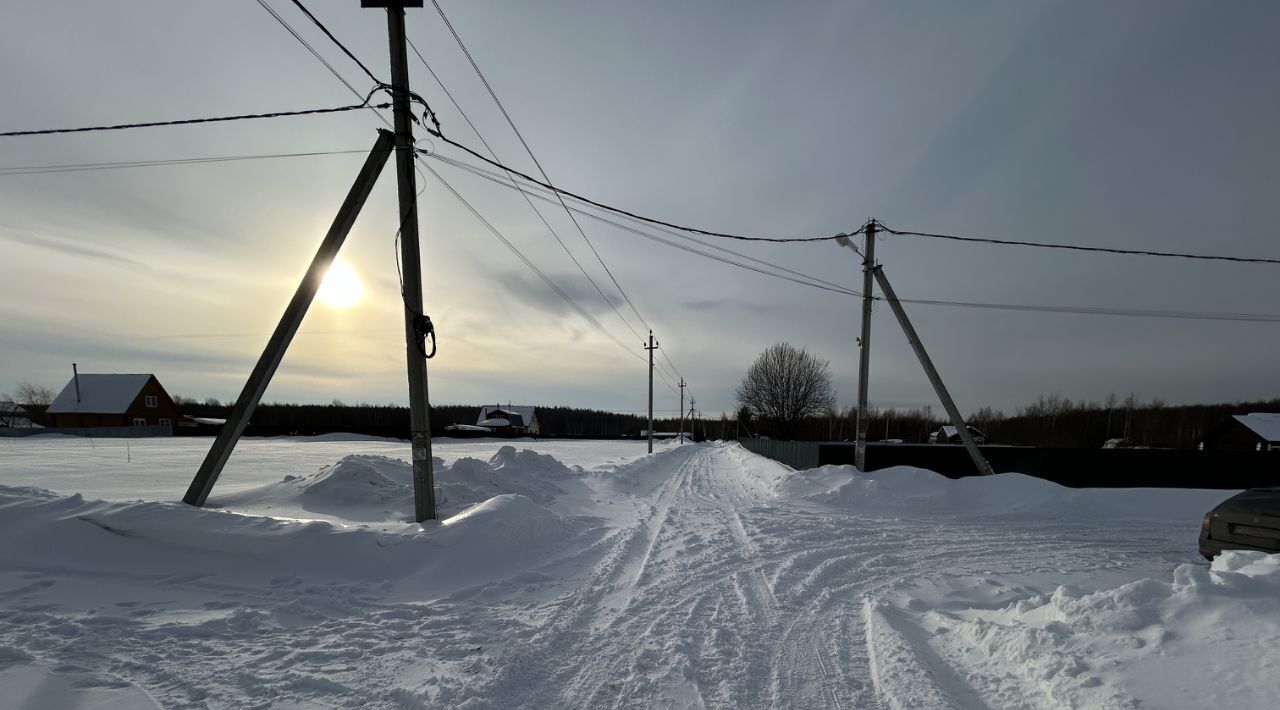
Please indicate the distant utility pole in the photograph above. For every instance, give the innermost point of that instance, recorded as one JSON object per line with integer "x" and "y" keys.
{"x": 682, "y": 386}
{"x": 653, "y": 345}
{"x": 415, "y": 321}
{"x": 693, "y": 426}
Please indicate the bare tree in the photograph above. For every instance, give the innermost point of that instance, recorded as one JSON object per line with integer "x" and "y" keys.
{"x": 28, "y": 393}
{"x": 784, "y": 386}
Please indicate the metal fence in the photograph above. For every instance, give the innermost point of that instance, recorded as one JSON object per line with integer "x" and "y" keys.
{"x": 799, "y": 455}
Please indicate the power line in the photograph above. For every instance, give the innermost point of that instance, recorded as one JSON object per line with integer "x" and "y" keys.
{"x": 619, "y": 210}
{"x": 536, "y": 162}
{"x": 1074, "y": 247}
{"x": 341, "y": 46}
{"x": 672, "y": 365}
{"x": 491, "y": 176}
{"x": 188, "y": 121}
{"x": 285, "y": 24}
{"x": 81, "y": 167}
{"x": 653, "y": 237}
{"x": 517, "y": 186}
{"x": 507, "y": 243}
{"x": 1103, "y": 311}
{"x": 547, "y": 280}
{"x": 532, "y": 267}
{"x": 1077, "y": 310}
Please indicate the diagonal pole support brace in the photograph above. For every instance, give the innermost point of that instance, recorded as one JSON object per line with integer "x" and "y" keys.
{"x": 947, "y": 403}
{"x": 271, "y": 356}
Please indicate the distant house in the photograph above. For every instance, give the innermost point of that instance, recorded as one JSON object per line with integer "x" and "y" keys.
{"x": 113, "y": 401}
{"x": 1259, "y": 431}
{"x": 510, "y": 419}
{"x": 951, "y": 435}
{"x": 644, "y": 434}
{"x": 15, "y": 416}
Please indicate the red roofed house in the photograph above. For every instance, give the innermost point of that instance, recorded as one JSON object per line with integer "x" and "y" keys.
{"x": 113, "y": 401}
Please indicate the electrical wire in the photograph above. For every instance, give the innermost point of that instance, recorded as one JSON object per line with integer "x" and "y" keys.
{"x": 82, "y": 167}
{"x": 652, "y": 237}
{"x": 537, "y": 163}
{"x": 341, "y": 46}
{"x": 550, "y": 283}
{"x": 320, "y": 58}
{"x": 1079, "y": 310}
{"x": 516, "y": 185}
{"x": 1102, "y": 311}
{"x": 633, "y": 215}
{"x": 492, "y": 177}
{"x": 1074, "y": 247}
{"x": 531, "y": 266}
{"x": 189, "y": 121}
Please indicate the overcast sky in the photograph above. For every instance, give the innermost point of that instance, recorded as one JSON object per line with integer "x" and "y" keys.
{"x": 1140, "y": 125}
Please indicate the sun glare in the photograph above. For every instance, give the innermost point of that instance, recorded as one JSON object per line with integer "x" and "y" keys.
{"x": 341, "y": 287}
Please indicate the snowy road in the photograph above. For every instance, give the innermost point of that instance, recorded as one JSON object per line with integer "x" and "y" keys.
{"x": 702, "y": 576}
{"x": 717, "y": 595}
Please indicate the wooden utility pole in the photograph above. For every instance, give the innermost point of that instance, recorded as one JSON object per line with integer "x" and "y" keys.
{"x": 216, "y": 459}
{"x": 653, "y": 345}
{"x": 424, "y": 493}
{"x": 682, "y": 386}
{"x": 934, "y": 379}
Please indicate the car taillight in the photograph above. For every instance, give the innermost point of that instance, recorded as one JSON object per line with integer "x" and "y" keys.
{"x": 1205, "y": 525}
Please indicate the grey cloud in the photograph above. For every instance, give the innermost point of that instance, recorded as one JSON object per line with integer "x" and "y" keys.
{"x": 64, "y": 245}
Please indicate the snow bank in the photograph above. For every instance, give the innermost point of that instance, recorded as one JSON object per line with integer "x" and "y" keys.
{"x": 508, "y": 521}
{"x": 503, "y": 534}
{"x": 369, "y": 488}
{"x": 528, "y": 473}
{"x": 342, "y": 436}
{"x": 36, "y": 686}
{"x": 902, "y": 490}
{"x": 1178, "y": 643}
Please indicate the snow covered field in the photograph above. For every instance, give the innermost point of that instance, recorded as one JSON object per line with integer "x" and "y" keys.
{"x": 587, "y": 574}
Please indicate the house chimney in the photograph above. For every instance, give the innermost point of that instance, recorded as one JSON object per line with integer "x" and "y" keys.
{"x": 75, "y": 375}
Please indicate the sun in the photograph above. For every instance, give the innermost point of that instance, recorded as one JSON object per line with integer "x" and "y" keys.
{"x": 341, "y": 287}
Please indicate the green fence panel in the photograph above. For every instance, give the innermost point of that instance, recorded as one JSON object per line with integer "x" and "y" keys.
{"x": 799, "y": 455}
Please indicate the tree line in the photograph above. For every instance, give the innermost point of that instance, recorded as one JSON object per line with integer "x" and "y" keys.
{"x": 393, "y": 420}
{"x": 787, "y": 394}
{"x": 1050, "y": 421}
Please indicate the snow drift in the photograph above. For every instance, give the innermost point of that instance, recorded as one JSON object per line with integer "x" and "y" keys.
{"x": 371, "y": 489}
{"x": 903, "y": 490}
{"x": 1148, "y": 638}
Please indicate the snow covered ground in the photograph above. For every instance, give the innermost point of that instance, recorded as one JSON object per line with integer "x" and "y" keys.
{"x": 587, "y": 574}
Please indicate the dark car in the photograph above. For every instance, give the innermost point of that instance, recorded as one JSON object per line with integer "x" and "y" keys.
{"x": 1248, "y": 521}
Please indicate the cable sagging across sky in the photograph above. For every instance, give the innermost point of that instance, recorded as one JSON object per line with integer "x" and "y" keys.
{"x": 190, "y": 121}
{"x": 1076, "y": 247}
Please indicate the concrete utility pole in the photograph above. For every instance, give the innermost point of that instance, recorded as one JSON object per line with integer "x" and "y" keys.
{"x": 864, "y": 341}
{"x": 682, "y": 386}
{"x": 653, "y": 345}
{"x": 424, "y": 493}
{"x": 693, "y": 426}
{"x": 864, "y": 345}
{"x": 947, "y": 403}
